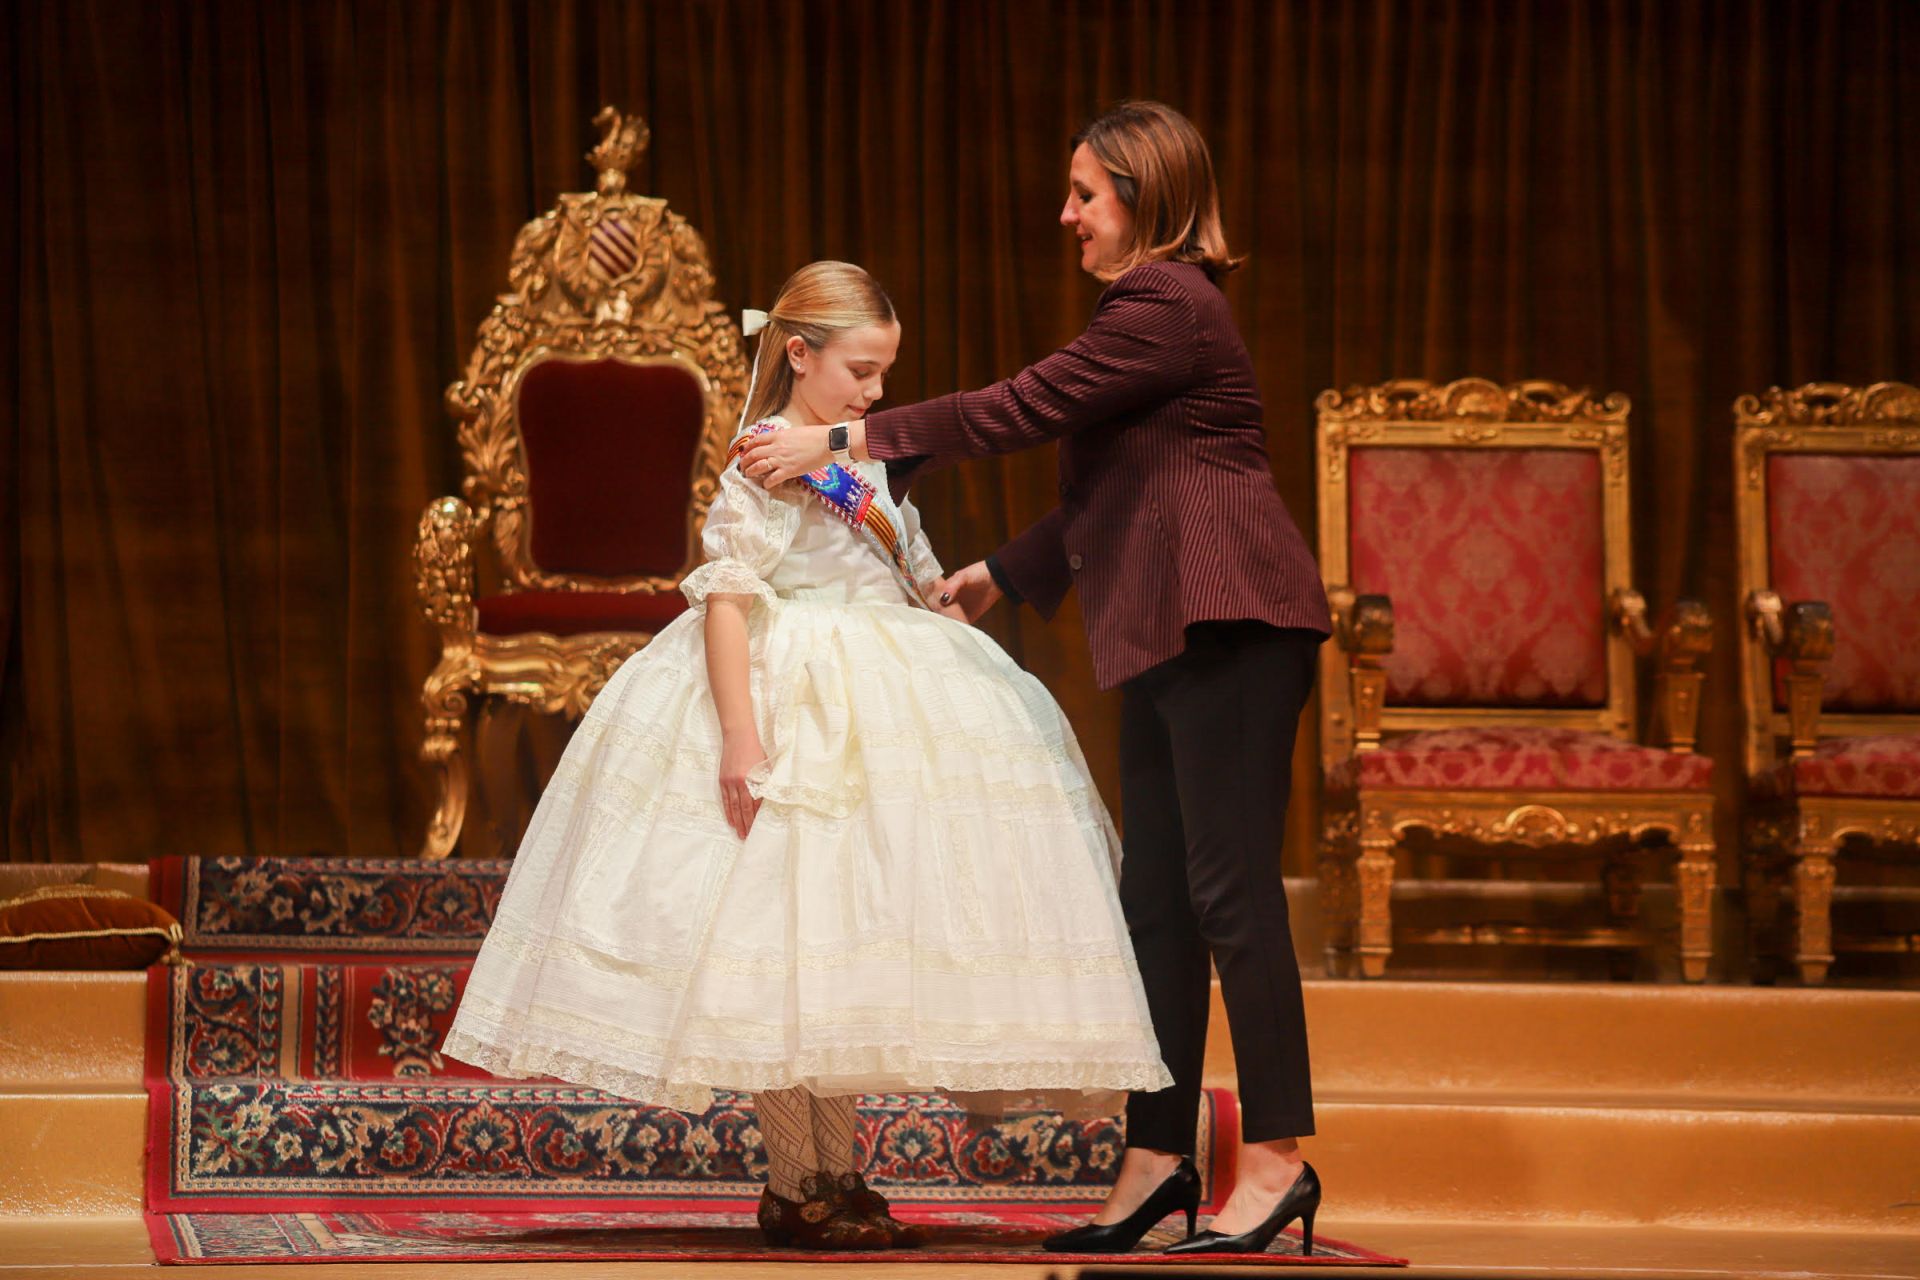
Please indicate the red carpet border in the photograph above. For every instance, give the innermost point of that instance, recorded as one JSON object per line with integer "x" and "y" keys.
{"x": 973, "y": 1233}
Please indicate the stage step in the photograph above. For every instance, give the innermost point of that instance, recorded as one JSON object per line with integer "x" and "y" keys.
{"x": 1771, "y": 1046}
{"x": 72, "y": 1152}
{"x": 1728, "y": 1045}
{"x": 1617, "y": 1164}
{"x": 1427, "y": 1161}
{"x": 71, "y": 1030}
{"x": 1437, "y": 1101}
{"x": 116, "y": 1248}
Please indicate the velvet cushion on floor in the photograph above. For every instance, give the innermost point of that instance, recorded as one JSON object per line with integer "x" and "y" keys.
{"x": 83, "y": 927}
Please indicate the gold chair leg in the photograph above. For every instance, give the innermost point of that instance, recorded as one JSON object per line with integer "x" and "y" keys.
{"x": 1695, "y": 876}
{"x": 445, "y": 698}
{"x": 1620, "y": 876}
{"x": 1813, "y": 909}
{"x": 1761, "y": 897}
{"x": 1622, "y": 880}
{"x": 1339, "y": 902}
{"x": 1376, "y": 904}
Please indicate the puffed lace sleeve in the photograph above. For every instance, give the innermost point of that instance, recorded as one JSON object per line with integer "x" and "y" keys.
{"x": 926, "y": 565}
{"x": 747, "y": 532}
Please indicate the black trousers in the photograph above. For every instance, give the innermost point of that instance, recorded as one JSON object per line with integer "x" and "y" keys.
{"x": 1206, "y": 753}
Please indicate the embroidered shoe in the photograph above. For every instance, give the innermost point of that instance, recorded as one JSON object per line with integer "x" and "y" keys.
{"x": 823, "y": 1220}
{"x": 873, "y": 1206}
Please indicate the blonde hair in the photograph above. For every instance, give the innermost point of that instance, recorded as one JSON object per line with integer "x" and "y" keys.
{"x": 818, "y": 302}
{"x": 1163, "y": 174}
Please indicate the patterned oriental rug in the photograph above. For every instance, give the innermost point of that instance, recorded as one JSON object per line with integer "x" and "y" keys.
{"x": 309, "y": 909}
{"x": 299, "y": 1109}
{"x": 282, "y": 1087}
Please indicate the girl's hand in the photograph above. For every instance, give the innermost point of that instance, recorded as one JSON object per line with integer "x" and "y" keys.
{"x": 739, "y": 753}
{"x": 972, "y": 590}
{"x": 783, "y": 455}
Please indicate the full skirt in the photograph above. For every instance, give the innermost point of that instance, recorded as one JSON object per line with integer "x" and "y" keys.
{"x": 926, "y": 900}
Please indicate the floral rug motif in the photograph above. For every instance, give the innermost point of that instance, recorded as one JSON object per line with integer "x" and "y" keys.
{"x": 255, "y": 1145}
{"x": 972, "y": 1233}
{"x": 304, "y": 1021}
{"x": 306, "y": 908}
{"x": 300, "y": 1086}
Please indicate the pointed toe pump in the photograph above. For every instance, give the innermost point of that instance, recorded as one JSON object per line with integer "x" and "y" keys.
{"x": 1180, "y": 1192}
{"x": 1301, "y": 1201}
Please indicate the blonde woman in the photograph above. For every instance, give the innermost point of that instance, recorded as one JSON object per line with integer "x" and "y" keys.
{"x": 819, "y": 837}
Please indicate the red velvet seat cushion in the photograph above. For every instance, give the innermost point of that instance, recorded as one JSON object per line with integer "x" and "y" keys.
{"x": 1493, "y": 559}
{"x": 1523, "y": 759}
{"x": 1887, "y": 767}
{"x": 1845, "y": 529}
{"x": 572, "y": 613}
{"x": 610, "y": 450}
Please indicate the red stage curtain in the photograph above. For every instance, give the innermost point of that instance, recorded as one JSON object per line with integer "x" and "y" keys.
{"x": 253, "y": 241}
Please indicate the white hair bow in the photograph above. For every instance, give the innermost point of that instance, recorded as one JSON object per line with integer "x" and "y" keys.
{"x": 752, "y": 322}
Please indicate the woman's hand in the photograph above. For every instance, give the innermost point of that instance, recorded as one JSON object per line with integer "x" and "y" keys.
{"x": 932, "y": 592}
{"x": 739, "y": 753}
{"x": 785, "y": 454}
{"x": 972, "y": 590}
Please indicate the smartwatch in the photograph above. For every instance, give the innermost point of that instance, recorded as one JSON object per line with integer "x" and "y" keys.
{"x": 839, "y": 441}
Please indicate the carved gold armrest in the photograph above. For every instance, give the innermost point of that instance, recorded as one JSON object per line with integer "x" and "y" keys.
{"x": 1802, "y": 633}
{"x": 1677, "y": 643}
{"x": 444, "y": 570}
{"x": 1363, "y": 628}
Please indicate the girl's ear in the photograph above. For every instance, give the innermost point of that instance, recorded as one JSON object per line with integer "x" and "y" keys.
{"x": 797, "y": 353}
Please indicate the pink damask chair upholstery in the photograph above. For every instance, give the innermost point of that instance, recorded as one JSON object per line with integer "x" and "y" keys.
{"x": 1481, "y": 687}
{"x": 594, "y": 418}
{"x": 1828, "y": 491}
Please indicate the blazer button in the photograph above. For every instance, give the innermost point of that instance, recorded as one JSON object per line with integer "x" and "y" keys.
{"x": 1074, "y": 562}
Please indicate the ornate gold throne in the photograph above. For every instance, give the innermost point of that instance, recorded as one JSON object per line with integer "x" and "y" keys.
{"x": 1481, "y": 686}
{"x": 1828, "y": 499}
{"x": 593, "y": 422}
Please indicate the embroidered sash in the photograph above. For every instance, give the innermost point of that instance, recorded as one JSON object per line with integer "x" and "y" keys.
{"x": 862, "y": 508}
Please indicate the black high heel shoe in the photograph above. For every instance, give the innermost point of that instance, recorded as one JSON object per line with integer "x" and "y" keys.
{"x": 1180, "y": 1191}
{"x": 1302, "y": 1201}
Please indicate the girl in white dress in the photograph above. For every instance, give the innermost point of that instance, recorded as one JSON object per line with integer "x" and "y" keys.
{"x": 817, "y": 839}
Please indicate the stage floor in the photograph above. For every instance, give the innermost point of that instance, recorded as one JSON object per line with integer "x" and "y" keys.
{"x": 116, "y": 1249}
{"x": 1624, "y": 1131}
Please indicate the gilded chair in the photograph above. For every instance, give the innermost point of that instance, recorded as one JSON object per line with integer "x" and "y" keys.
{"x": 593, "y": 423}
{"x": 1480, "y": 689}
{"x": 1828, "y": 504}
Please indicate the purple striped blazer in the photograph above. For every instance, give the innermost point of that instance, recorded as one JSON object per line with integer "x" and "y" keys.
{"x": 1168, "y": 515}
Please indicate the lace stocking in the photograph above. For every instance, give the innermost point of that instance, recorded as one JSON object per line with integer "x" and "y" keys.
{"x": 786, "y": 1132}
{"x": 833, "y": 1121}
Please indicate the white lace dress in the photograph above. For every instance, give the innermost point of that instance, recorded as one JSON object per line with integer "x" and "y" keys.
{"x": 926, "y": 899}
